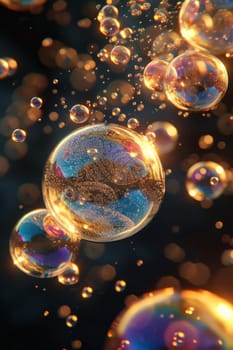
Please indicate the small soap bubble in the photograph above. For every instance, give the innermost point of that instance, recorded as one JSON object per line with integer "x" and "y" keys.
{"x": 109, "y": 11}
{"x": 18, "y": 135}
{"x": 154, "y": 73}
{"x": 205, "y": 180}
{"x": 120, "y": 286}
{"x": 87, "y": 292}
{"x": 79, "y": 114}
{"x": 70, "y": 275}
{"x": 71, "y": 320}
{"x": 109, "y": 26}
{"x": 120, "y": 55}
{"x": 36, "y": 102}
{"x": 132, "y": 123}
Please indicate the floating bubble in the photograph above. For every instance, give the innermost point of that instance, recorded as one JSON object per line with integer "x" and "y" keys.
{"x": 104, "y": 182}
{"x": 132, "y": 123}
{"x": 70, "y": 275}
{"x": 107, "y": 11}
{"x": 169, "y": 320}
{"x": 4, "y": 68}
{"x": 120, "y": 55}
{"x": 79, "y": 114}
{"x": 71, "y": 320}
{"x": 205, "y": 180}
{"x": 153, "y": 75}
{"x": 207, "y": 24}
{"x": 195, "y": 81}
{"x": 120, "y": 286}
{"x": 18, "y": 135}
{"x": 164, "y": 135}
{"x": 34, "y": 251}
{"x": 21, "y": 5}
{"x": 12, "y": 65}
{"x": 87, "y": 292}
{"x": 36, "y": 102}
{"x": 167, "y": 44}
{"x": 109, "y": 26}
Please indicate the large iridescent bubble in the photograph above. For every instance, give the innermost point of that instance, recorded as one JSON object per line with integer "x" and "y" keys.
{"x": 205, "y": 180}
{"x": 208, "y": 24}
{"x": 169, "y": 320}
{"x": 103, "y": 182}
{"x": 21, "y": 5}
{"x": 195, "y": 81}
{"x": 38, "y": 246}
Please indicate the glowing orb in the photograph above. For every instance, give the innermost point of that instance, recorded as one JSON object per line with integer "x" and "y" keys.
{"x": 103, "y": 182}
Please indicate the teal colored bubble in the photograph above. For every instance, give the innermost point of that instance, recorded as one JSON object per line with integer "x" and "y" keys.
{"x": 104, "y": 182}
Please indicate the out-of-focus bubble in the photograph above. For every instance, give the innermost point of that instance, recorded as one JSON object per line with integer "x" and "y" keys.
{"x": 207, "y": 24}
{"x": 4, "y": 166}
{"x": 104, "y": 182}
{"x": 120, "y": 54}
{"x": 15, "y": 150}
{"x": 109, "y": 26}
{"x": 107, "y": 11}
{"x": 174, "y": 252}
{"x": 70, "y": 275}
{"x": 161, "y": 15}
{"x": 169, "y": 320}
{"x": 66, "y": 57}
{"x": 227, "y": 257}
{"x": 120, "y": 92}
{"x": 154, "y": 73}
{"x": 71, "y": 320}
{"x": 63, "y": 311}
{"x": 28, "y": 194}
{"x": 22, "y": 5}
{"x": 76, "y": 344}
{"x": 4, "y": 68}
{"x": 195, "y": 81}
{"x": 132, "y": 123}
{"x": 167, "y": 44}
{"x": 33, "y": 251}
{"x": 36, "y": 102}
{"x": 196, "y": 273}
{"x": 206, "y": 141}
{"x": 18, "y": 135}
{"x": 120, "y": 286}
{"x": 164, "y": 135}
{"x": 87, "y": 292}
{"x": 12, "y": 65}
{"x": 225, "y": 124}
{"x": 205, "y": 180}
{"x": 79, "y": 114}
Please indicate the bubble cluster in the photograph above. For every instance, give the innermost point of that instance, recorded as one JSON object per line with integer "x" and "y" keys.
{"x": 205, "y": 180}
{"x": 169, "y": 320}
{"x": 104, "y": 182}
{"x": 195, "y": 81}
{"x": 207, "y": 24}
{"x": 34, "y": 251}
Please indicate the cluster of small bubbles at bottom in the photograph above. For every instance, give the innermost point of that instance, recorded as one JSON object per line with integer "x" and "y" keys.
{"x": 169, "y": 320}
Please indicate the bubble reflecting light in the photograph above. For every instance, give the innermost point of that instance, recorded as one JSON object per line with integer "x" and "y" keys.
{"x": 36, "y": 252}
{"x": 104, "y": 182}
{"x": 207, "y": 24}
{"x": 205, "y": 180}
{"x": 21, "y": 5}
{"x": 164, "y": 135}
{"x": 169, "y": 320}
{"x": 195, "y": 81}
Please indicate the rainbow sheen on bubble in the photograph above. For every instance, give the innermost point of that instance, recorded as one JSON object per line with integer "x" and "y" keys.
{"x": 207, "y": 24}
{"x": 109, "y": 26}
{"x": 154, "y": 73}
{"x": 36, "y": 252}
{"x": 170, "y": 320}
{"x": 21, "y": 5}
{"x": 107, "y": 11}
{"x": 164, "y": 135}
{"x": 120, "y": 54}
{"x": 195, "y": 81}
{"x": 104, "y": 182}
{"x": 205, "y": 180}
